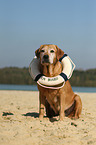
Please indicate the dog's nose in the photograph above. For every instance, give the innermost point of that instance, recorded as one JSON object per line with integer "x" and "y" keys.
{"x": 45, "y": 56}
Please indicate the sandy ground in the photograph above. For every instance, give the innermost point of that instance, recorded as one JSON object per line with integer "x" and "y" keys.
{"x": 20, "y": 125}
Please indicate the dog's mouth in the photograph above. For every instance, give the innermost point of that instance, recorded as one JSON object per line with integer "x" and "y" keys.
{"x": 45, "y": 62}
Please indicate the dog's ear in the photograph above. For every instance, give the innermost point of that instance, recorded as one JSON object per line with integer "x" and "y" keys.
{"x": 60, "y": 53}
{"x": 37, "y": 52}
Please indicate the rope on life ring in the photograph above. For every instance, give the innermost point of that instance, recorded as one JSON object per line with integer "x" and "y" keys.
{"x": 52, "y": 82}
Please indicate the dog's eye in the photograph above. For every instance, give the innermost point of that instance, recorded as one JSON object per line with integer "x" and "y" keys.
{"x": 52, "y": 51}
{"x": 42, "y": 50}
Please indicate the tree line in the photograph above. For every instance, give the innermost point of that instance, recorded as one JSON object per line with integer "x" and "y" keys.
{"x": 21, "y": 76}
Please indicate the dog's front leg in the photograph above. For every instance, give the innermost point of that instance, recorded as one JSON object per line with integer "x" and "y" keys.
{"x": 62, "y": 106}
{"x": 41, "y": 106}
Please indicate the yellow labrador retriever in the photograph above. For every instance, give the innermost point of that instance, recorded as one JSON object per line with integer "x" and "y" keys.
{"x": 63, "y": 101}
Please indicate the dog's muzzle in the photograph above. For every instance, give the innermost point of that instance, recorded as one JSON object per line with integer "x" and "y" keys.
{"x": 46, "y": 58}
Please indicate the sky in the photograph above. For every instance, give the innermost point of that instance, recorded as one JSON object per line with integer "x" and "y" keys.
{"x": 27, "y": 24}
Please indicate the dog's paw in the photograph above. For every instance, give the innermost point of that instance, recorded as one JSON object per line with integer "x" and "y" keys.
{"x": 40, "y": 117}
{"x": 74, "y": 117}
{"x": 61, "y": 118}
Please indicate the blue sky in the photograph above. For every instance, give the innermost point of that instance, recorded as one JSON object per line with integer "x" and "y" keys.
{"x": 26, "y": 24}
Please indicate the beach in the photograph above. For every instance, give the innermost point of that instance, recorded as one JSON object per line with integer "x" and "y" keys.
{"x": 20, "y": 125}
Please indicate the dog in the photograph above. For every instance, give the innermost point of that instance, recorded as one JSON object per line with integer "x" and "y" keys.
{"x": 63, "y": 101}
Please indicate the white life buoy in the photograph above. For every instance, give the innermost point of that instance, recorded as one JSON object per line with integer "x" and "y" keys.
{"x": 50, "y": 82}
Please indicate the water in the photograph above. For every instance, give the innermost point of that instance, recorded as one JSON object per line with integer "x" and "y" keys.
{"x": 19, "y": 87}
{"x": 34, "y": 88}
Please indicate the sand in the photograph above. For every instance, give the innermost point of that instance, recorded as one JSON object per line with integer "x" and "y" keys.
{"x": 20, "y": 125}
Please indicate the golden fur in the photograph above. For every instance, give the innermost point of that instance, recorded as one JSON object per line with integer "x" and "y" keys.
{"x": 59, "y": 101}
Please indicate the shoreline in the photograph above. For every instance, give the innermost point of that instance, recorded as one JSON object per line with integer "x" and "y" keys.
{"x": 22, "y": 125}
{"x": 34, "y": 88}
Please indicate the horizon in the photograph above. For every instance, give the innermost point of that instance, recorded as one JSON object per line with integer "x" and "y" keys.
{"x": 25, "y": 25}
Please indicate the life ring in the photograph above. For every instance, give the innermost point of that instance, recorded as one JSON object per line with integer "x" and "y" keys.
{"x": 50, "y": 82}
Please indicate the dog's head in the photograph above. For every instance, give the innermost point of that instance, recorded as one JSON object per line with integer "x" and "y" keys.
{"x": 49, "y": 54}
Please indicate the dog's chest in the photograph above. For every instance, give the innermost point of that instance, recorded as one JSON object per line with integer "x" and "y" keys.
{"x": 53, "y": 98}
